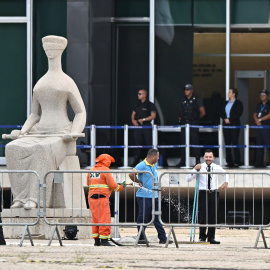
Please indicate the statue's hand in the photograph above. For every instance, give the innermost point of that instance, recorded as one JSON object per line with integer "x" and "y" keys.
{"x": 15, "y": 134}
{"x": 69, "y": 138}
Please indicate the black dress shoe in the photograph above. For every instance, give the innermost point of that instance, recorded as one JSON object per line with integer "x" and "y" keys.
{"x": 213, "y": 241}
{"x": 142, "y": 242}
{"x": 202, "y": 240}
{"x": 230, "y": 166}
{"x": 163, "y": 241}
{"x": 259, "y": 165}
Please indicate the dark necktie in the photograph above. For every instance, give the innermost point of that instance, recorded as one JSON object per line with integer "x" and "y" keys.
{"x": 209, "y": 177}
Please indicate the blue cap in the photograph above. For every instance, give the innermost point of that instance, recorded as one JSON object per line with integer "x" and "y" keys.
{"x": 265, "y": 91}
{"x": 188, "y": 87}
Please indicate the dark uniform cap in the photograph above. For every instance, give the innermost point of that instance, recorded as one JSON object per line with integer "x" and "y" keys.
{"x": 189, "y": 87}
{"x": 265, "y": 91}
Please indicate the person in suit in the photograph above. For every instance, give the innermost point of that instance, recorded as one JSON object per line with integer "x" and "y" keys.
{"x": 208, "y": 194}
{"x": 231, "y": 113}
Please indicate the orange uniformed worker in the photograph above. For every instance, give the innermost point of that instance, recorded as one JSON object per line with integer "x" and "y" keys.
{"x": 101, "y": 186}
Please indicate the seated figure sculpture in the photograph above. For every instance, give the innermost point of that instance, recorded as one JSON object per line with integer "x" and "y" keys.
{"x": 47, "y": 136}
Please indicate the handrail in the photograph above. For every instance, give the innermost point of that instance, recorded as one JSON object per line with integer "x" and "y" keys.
{"x": 171, "y": 128}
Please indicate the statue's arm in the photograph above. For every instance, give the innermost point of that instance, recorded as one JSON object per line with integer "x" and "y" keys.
{"x": 33, "y": 118}
{"x": 78, "y": 107}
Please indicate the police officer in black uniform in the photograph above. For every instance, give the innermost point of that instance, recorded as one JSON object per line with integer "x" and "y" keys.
{"x": 262, "y": 118}
{"x": 142, "y": 115}
{"x": 191, "y": 111}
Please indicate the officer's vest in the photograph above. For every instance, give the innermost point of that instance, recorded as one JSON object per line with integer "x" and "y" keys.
{"x": 190, "y": 110}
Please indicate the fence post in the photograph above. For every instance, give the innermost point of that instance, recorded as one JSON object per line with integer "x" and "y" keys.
{"x": 187, "y": 131}
{"x": 116, "y": 214}
{"x": 126, "y": 148}
{"x": 220, "y": 142}
{"x": 246, "y": 151}
{"x": 93, "y": 145}
{"x": 155, "y": 136}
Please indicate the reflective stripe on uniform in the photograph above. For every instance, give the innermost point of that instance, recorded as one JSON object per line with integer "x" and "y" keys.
{"x": 95, "y": 235}
{"x": 104, "y": 236}
{"x": 98, "y": 186}
{"x": 118, "y": 186}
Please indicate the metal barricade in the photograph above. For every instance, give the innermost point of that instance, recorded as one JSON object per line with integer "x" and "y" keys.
{"x": 75, "y": 210}
{"x": 20, "y": 216}
{"x": 241, "y": 204}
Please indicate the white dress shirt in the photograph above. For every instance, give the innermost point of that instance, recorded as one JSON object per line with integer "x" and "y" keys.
{"x": 203, "y": 184}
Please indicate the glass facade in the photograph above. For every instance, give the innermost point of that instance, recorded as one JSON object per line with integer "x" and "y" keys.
{"x": 190, "y": 47}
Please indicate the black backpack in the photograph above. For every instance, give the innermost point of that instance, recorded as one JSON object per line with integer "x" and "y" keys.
{"x": 71, "y": 232}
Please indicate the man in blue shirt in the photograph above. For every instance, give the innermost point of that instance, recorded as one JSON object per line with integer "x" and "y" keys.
{"x": 145, "y": 193}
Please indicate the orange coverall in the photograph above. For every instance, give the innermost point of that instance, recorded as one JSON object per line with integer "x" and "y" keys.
{"x": 101, "y": 184}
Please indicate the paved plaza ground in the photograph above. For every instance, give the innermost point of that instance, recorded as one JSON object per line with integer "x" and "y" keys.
{"x": 235, "y": 252}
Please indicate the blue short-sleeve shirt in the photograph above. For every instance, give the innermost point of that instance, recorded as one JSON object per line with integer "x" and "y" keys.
{"x": 146, "y": 179}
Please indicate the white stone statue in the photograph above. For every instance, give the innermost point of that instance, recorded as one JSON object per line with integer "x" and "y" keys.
{"x": 47, "y": 137}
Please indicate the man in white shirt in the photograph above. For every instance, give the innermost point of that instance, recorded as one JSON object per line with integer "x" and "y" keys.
{"x": 208, "y": 194}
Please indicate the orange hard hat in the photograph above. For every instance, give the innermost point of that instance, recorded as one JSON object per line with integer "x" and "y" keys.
{"x": 105, "y": 159}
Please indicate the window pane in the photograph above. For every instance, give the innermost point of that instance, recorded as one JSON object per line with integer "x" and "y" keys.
{"x": 132, "y": 8}
{"x": 173, "y": 12}
{"x": 11, "y": 8}
{"x": 173, "y": 69}
{"x": 132, "y": 68}
{"x": 13, "y": 78}
{"x": 56, "y": 11}
{"x": 242, "y": 11}
{"x": 253, "y": 43}
{"x": 249, "y": 11}
{"x": 13, "y": 73}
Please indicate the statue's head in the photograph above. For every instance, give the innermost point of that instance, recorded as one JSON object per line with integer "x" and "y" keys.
{"x": 54, "y": 45}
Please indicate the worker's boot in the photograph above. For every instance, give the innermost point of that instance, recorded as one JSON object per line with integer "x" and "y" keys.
{"x": 97, "y": 242}
{"x": 105, "y": 242}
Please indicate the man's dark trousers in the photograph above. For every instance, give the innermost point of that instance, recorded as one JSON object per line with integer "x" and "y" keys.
{"x": 231, "y": 138}
{"x": 262, "y": 138}
{"x": 2, "y": 239}
{"x": 142, "y": 136}
{"x": 208, "y": 208}
{"x": 145, "y": 214}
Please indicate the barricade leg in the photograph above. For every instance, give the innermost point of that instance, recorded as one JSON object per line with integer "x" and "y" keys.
{"x": 26, "y": 229}
{"x": 141, "y": 231}
{"x": 260, "y": 232}
{"x": 58, "y": 236}
{"x": 171, "y": 231}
